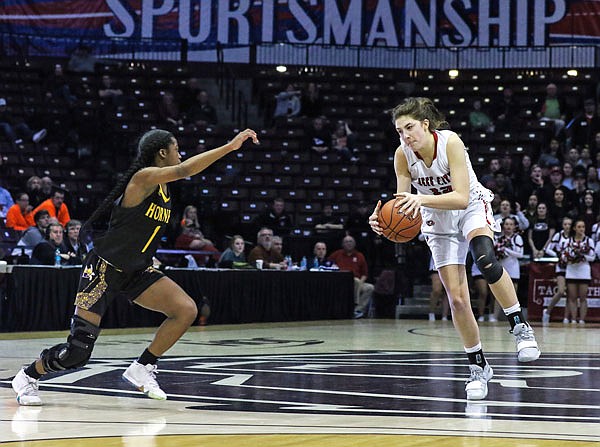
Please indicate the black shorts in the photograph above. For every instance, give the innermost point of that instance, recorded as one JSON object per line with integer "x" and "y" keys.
{"x": 100, "y": 283}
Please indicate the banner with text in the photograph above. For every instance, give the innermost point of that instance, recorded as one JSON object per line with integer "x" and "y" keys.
{"x": 542, "y": 286}
{"x": 381, "y": 23}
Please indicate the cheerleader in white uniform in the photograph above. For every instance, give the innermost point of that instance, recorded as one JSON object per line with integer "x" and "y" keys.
{"x": 578, "y": 254}
{"x": 457, "y": 217}
{"x": 555, "y": 248}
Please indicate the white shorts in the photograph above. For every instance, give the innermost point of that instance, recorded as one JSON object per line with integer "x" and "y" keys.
{"x": 446, "y": 231}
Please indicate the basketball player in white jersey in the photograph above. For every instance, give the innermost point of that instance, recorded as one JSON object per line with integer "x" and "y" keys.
{"x": 456, "y": 217}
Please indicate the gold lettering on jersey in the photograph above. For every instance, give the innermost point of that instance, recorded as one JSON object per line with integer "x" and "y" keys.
{"x": 159, "y": 213}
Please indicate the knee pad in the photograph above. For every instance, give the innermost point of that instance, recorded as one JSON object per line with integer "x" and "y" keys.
{"x": 76, "y": 352}
{"x": 482, "y": 250}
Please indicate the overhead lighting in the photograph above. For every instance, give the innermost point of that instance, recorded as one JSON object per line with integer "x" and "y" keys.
{"x": 572, "y": 72}
{"x": 281, "y": 68}
{"x": 453, "y": 73}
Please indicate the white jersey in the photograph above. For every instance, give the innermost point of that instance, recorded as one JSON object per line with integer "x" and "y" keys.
{"x": 509, "y": 250}
{"x": 556, "y": 246}
{"x": 435, "y": 180}
{"x": 582, "y": 269}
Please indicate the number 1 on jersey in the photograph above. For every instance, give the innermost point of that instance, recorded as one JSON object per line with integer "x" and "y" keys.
{"x": 150, "y": 239}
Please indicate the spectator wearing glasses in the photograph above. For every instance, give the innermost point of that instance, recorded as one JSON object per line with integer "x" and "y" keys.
{"x": 19, "y": 216}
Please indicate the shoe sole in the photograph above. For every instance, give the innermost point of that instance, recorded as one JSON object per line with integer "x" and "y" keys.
{"x": 141, "y": 388}
{"x": 526, "y": 357}
{"x": 29, "y": 404}
{"x": 486, "y": 388}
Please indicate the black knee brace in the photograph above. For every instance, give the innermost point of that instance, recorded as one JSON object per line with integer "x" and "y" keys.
{"x": 76, "y": 352}
{"x": 482, "y": 250}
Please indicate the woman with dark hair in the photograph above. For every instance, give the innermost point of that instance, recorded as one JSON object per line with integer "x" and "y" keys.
{"x": 120, "y": 266}
{"x": 457, "y": 218}
{"x": 576, "y": 258}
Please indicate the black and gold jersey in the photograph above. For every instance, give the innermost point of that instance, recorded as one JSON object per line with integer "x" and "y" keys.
{"x": 134, "y": 233}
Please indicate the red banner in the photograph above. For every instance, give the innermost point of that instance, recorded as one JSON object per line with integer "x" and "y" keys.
{"x": 542, "y": 285}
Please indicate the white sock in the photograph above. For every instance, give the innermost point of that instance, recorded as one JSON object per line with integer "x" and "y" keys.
{"x": 512, "y": 309}
{"x": 473, "y": 349}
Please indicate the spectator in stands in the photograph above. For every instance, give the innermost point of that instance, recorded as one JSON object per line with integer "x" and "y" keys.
{"x": 494, "y": 167}
{"x": 275, "y": 217}
{"x": 311, "y": 101}
{"x": 348, "y": 258}
{"x": 503, "y": 186}
{"x": 320, "y": 256}
{"x": 287, "y": 103}
{"x": 573, "y": 156}
{"x": 277, "y": 248}
{"x": 551, "y": 156}
{"x": 72, "y": 240}
{"x": 583, "y": 128}
{"x": 559, "y": 207}
{"x": 318, "y": 138}
{"x": 592, "y": 179}
{"x": 82, "y": 60}
{"x": 191, "y": 238}
{"x": 6, "y": 201}
{"x": 58, "y": 88}
{"x": 507, "y": 111}
{"x": 110, "y": 94}
{"x": 202, "y": 113}
{"x": 553, "y": 109}
{"x": 190, "y": 217}
{"x": 522, "y": 171}
{"x": 19, "y": 216}
{"x": 343, "y": 142}
{"x": 521, "y": 221}
{"x": 47, "y": 187}
{"x": 56, "y": 207}
{"x": 579, "y": 188}
{"x": 234, "y": 254}
{"x": 568, "y": 177}
{"x": 264, "y": 250}
{"x": 534, "y": 185}
{"x": 588, "y": 210}
{"x": 15, "y": 128}
{"x": 44, "y": 253}
{"x": 327, "y": 223}
{"x": 479, "y": 121}
{"x": 36, "y": 234}
{"x": 531, "y": 211}
{"x": 555, "y": 182}
{"x": 168, "y": 111}
{"x": 540, "y": 232}
{"x": 585, "y": 158}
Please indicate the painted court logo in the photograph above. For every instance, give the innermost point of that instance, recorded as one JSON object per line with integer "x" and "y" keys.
{"x": 358, "y": 383}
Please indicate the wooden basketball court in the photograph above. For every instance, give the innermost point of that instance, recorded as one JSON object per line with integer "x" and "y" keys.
{"x": 322, "y": 383}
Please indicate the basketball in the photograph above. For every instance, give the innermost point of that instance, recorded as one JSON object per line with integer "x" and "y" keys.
{"x": 397, "y": 226}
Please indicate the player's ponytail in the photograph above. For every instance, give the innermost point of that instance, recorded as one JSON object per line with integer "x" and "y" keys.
{"x": 149, "y": 145}
{"x": 421, "y": 109}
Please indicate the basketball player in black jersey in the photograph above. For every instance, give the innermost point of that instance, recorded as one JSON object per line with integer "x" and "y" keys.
{"x": 121, "y": 264}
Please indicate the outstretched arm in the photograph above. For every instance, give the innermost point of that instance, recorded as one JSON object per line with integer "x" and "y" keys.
{"x": 152, "y": 176}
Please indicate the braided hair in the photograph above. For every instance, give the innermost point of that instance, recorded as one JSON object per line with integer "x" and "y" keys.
{"x": 149, "y": 145}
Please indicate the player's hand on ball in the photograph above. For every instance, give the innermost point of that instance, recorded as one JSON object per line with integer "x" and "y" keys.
{"x": 409, "y": 204}
{"x": 239, "y": 139}
{"x": 374, "y": 219}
